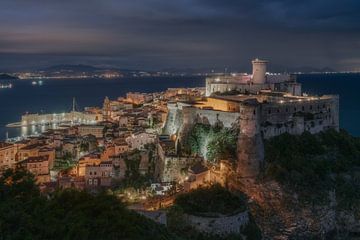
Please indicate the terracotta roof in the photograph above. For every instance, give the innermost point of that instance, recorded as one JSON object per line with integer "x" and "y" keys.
{"x": 32, "y": 146}
{"x": 4, "y": 145}
{"x": 35, "y": 159}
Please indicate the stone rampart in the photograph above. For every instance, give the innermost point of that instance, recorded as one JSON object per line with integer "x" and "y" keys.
{"x": 221, "y": 225}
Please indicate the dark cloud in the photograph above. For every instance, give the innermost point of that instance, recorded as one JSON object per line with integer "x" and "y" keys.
{"x": 183, "y": 33}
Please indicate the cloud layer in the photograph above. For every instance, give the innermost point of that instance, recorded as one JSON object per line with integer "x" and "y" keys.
{"x": 184, "y": 33}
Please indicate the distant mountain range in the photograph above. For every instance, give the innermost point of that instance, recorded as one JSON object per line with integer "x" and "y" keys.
{"x": 74, "y": 68}
{"x": 303, "y": 69}
{"x": 82, "y": 68}
{"x": 89, "y": 68}
{"x": 271, "y": 68}
{"x": 68, "y": 70}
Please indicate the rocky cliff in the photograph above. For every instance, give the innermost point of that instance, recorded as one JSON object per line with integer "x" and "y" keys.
{"x": 281, "y": 215}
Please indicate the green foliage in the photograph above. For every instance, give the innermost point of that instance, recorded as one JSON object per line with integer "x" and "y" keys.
{"x": 70, "y": 214}
{"x": 67, "y": 161}
{"x": 315, "y": 164}
{"x": 132, "y": 161}
{"x": 133, "y": 178}
{"x": 84, "y": 146}
{"x": 139, "y": 182}
{"x": 213, "y": 199}
{"x": 67, "y": 156}
{"x": 252, "y": 231}
{"x": 151, "y": 148}
{"x": 213, "y": 143}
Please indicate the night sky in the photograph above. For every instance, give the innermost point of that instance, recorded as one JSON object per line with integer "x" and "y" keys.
{"x": 159, "y": 34}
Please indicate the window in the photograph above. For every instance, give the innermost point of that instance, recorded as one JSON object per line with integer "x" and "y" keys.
{"x": 90, "y": 182}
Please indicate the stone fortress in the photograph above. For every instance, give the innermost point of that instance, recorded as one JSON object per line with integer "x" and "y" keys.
{"x": 261, "y": 105}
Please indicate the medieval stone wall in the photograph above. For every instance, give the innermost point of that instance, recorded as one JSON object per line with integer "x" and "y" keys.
{"x": 221, "y": 225}
{"x": 250, "y": 148}
{"x": 299, "y": 116}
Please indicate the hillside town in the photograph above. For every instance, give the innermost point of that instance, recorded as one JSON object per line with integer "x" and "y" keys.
{"x": 125, "y": 144}
{"x": 144, "y": 146}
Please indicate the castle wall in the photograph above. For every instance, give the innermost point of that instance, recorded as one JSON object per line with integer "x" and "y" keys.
{"x": 259, "y": 120}
{"x": 181, "y": 118}
{"x": 242, "y": 88}
{"x": 173, "y": 120}
{"x": 250, "y": 148}
{"x": 222, "y": 225}
{"x": 213, "y": 117}
{"x": 313, "y": 115}
{"x": 218, "y": 104}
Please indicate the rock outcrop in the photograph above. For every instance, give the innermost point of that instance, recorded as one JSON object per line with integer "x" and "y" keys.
{"x": 280, "y": 215}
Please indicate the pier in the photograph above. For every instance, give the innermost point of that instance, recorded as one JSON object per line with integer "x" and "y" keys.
{"x": 72, "y": 117}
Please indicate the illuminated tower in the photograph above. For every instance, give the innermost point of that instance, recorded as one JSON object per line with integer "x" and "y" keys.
{"x": 259, "y": 71}
{"x": 250, "y": 148}
{"x": 106, "y": 109}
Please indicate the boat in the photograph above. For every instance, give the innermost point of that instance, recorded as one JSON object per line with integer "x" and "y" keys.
{"x": 9, "y": 85}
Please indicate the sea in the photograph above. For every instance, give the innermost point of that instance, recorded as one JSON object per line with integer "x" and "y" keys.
{"x": 56, "y": 95}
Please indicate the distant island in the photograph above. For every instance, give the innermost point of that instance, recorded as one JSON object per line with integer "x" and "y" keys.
{"x": 5, "y": 76}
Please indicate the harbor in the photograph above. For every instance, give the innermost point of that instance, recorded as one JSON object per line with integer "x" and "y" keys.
{"x": 71, "y": 118}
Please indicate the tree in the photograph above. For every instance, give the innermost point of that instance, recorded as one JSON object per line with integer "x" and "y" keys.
{"x": 68, "y": 214}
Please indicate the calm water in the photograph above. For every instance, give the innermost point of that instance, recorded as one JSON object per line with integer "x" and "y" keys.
{"x": 56, "y": 95}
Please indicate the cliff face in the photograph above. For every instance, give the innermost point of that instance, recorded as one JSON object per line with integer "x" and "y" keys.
{"x": 280, "y": 215}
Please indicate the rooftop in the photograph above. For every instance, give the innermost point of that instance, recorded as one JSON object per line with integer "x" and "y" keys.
{"x": 5, "y": 145}
{"x": 35, "y": 159}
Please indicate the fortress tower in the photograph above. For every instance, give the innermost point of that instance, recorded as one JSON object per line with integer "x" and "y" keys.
{"x": 259, "y": 71}
{"x": 106, "y": 109}
{"x": 250, "y": 148}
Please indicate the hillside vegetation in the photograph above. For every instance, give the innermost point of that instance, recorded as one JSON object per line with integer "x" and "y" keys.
{"x": 212, "y": 143}
{"x": 69, "y": 214}
{"x": 314, "y": 165}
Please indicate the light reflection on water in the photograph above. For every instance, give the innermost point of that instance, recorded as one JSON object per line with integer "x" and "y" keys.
{"x": 33, "y": 130}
